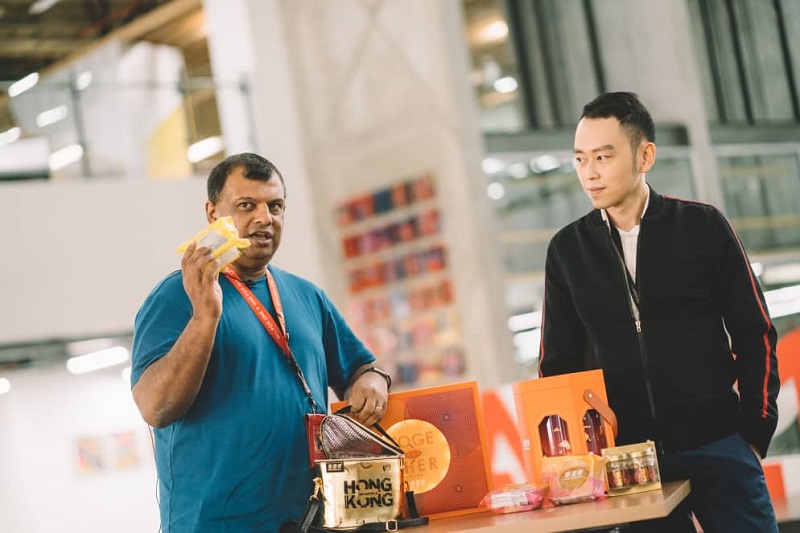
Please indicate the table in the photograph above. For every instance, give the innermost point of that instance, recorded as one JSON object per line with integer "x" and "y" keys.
{"x": 608, "y": 512}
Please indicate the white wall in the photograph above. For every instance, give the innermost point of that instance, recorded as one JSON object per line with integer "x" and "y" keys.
{"x": 42, "y": 488}
{"x": 81, "y": 256}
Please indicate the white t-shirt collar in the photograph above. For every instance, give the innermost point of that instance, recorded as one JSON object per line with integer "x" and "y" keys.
{"x": 607, "y": 220}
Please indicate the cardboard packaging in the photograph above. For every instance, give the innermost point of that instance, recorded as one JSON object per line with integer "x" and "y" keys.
{"x": 441, "y": 432}
{"x": 563, "y": 415}
{"x": 632, "y": 468}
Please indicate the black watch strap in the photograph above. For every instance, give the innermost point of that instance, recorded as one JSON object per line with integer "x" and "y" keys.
{"x": 381, "y": 372}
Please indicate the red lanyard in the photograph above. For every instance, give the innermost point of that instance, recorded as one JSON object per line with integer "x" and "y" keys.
{"x": 279, "y": 335}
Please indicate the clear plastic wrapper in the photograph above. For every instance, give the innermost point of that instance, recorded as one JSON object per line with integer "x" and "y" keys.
{"x": 515, "y": 498}
{"x": 574, "y": 478}
{"x": 222, "y": 237}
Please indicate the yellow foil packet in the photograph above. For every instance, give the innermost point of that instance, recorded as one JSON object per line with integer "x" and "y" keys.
{"x": 222, "y": 237}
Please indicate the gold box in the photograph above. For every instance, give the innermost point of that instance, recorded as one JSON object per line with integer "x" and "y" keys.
{"x": 632, "y": 468}
{"x": 360, "y": 491}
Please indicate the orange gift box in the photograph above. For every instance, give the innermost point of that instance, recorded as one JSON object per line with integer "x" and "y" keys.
{"x": 447, "y": 461}
{"x": 563, "y": 415}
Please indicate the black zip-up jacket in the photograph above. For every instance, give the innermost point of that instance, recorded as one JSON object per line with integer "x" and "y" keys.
{"x": 672, "y": 382}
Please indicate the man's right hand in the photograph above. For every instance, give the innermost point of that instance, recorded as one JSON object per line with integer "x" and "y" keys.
{"x": 201, "y": 282}
{"x": 169, "y": 386}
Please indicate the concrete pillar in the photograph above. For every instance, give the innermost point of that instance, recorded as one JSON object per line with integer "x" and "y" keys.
{"x": 259, "y": 113}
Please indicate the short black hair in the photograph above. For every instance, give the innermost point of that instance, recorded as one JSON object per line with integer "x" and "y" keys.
{"x": 628, "y": 109}
{"x": 255, "y": 167}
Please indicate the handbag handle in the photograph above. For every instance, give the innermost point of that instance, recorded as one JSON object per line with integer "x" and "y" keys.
{"x": 346, "y": 410}
{"x": 601, "y": 407}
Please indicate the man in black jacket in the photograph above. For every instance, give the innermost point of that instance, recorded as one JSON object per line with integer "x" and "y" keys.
{"x": 659, "y": 293}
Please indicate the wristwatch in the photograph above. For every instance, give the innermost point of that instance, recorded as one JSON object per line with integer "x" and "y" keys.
{"x": 380, "y": 372}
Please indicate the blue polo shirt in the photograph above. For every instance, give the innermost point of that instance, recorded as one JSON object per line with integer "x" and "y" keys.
{"x": 238, "y": 460}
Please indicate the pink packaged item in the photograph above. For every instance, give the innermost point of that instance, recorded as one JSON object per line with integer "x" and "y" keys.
{"x": 515, "y": 498}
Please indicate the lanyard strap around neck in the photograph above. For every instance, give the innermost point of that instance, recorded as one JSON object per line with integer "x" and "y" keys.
{"x": 633, "y": 286}
{"x": 279, "y": 335}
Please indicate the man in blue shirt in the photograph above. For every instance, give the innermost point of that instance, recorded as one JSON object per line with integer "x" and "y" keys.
{"x": 221, "y": 390}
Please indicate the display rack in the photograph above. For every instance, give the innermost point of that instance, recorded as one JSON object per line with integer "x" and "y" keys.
{"x": 400, "y": 291}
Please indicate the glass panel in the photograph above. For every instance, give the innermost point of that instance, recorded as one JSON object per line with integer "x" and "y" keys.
{"x": 762, "y": 197}
{"x": 748, "y": 57}
{"x": 494, "y": 75}
{"x": 537, "y": 194}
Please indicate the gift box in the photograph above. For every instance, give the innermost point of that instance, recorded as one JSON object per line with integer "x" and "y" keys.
{"x": 563, "y": 415}
{"x": 632, "y": 468}
{"x": 441, "y": 432}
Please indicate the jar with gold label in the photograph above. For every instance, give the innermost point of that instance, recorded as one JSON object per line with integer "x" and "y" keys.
{"x": 644, "y": 467}
{"x": 618, "y": 472}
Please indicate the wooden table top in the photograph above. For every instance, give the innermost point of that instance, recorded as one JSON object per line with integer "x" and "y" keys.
{"x": 607, "y": 512}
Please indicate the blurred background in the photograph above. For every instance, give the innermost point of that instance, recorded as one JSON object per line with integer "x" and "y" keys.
{"x": 426, "y": 146}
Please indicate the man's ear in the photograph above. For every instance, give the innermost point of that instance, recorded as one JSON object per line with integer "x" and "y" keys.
{"x": 211, "y": 212}
{"x": 648, "y": 153}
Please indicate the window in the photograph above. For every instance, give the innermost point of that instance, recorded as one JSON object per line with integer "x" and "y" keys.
{"x": 750, "y": 55}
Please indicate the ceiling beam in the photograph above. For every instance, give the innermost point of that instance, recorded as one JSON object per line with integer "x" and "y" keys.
{"x": 40, "y": 47}
{"x": 182, "y": 33}
{"x": 131, "y": 32}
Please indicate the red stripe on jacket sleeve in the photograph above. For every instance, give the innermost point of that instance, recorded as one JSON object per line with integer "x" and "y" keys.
{"x": 768, "y": 322}
{"x": 764, "y": 314}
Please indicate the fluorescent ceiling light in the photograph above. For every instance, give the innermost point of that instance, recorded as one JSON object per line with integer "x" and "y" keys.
{"x": 66, "y": 156}
{"x": 76, "y": 348}
{"x": 782, "y": 274}
{"x": 490, "y": 165}
{"x": 495, "y": 190}
{"x": 518, "y": 170}
{"x": 40, "y": 6}
{"x": 10, "y": 135}
{"x": 97, "y": 360}
{"x": 545, "y": 163}
{"x": 5, "y": 385}
{"x": 20, "y": 86}
{"x": 525, "y": 321}
{"x": 491, "y": 32}
{"x": 505, "y": 85}
{"x": 783, "y": 302}
{"x": 83, "y": 80}
{"x": 204, "y": 149}
{"x": 527, "y": 345}
{"x": 51, "y": 116}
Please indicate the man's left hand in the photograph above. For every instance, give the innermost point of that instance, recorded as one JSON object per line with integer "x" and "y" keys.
{"x": 368, "y": 397}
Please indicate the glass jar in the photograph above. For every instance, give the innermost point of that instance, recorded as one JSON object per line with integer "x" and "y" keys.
{"x": 644, "y": 466}
{"x": 618, "y": 472}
